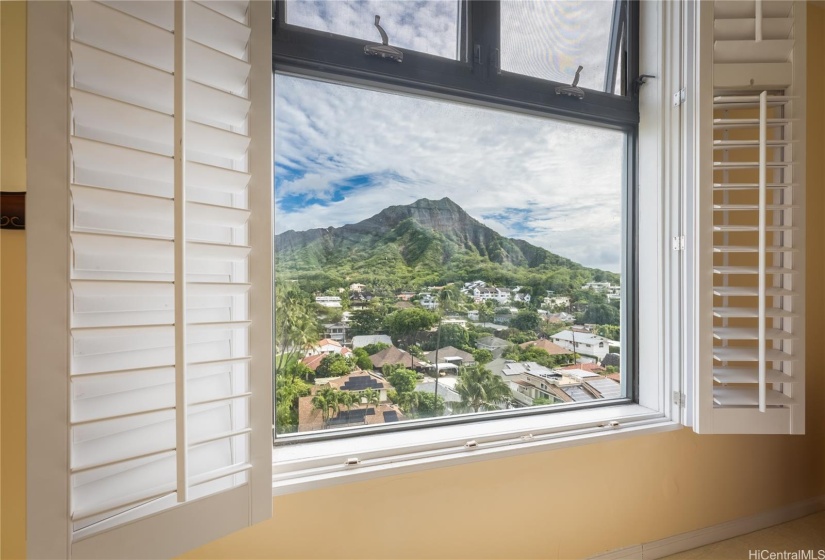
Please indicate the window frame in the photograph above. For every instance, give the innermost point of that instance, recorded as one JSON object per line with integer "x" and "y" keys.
{"x": 323, "y": 459}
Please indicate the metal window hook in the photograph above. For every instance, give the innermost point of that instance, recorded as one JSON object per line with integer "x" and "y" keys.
{"x": 572, "y": 90}
{"x": 384, "y": 50}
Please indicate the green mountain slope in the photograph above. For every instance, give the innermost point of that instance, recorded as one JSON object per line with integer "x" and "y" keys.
{"x": 426, "y": 241}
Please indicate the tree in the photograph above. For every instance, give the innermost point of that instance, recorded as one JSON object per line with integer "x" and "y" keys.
{"x": 454, "y": 335}
{"x": 333, "y": 365}
{"x": 295, "y": 325}
{"x": 300, "y": 369}
{"x": 288, "y": 389}
{"x": 405, "y": 324}
{"x": 326, "y": 400}
{"x": 430, "y": 404}
{"x": 367, "y": 321}
{"x": 613, "y": 332}
{"x": 526, "y": 320}
{"x": 403, "y": 380}
{"x": 601, "y": 314}
{"x": 481, "y": 389}
{"x": 362, "y": 359}
{"x": 482, "y": 356}
{"x": 375, "y": 347}
{"x": 370, "y": 397}
{"x": 538, "y": 401}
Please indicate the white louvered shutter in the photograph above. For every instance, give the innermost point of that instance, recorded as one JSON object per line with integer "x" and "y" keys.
{"x": 750, "y": 247}
{"x": 160, "y": 372}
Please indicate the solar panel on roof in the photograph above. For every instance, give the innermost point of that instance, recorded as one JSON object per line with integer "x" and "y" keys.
{"x": 390, "y": 416}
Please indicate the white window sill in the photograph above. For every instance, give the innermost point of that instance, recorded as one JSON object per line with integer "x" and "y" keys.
{"x": 311, "y": 465}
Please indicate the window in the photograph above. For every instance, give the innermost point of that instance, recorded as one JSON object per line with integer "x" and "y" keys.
{"x": 439, "y": 256}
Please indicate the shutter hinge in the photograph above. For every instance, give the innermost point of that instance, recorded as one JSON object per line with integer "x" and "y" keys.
{"x": 352, "y": 461}
{"x": 679, "y": 97}
{"x": 679, "y": 399}
{"x": 679, "y": 243}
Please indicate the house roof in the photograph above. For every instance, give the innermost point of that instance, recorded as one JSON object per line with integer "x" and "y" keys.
{"x": 310, "y": 418}
{"x": 393, "y": 355}
{"x": 550, "y": 347}
{"x": 312, "y": 362}
{"x": 590, "y": 367}
{"x": 358, "y": 380}
{"x": 581, "y": 338}
{"x": 607, "y": 388}
{"x": 327, "y": 342}
{"x": 443, "y": 391}
{"x": 449, "y": 352}
{"x": 617, "y": 377}
{"x": 492, "y": 341}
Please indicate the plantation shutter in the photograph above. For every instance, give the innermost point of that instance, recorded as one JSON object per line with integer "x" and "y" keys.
{"x": 750, "y": 358}
{"x": 169, "y": 173}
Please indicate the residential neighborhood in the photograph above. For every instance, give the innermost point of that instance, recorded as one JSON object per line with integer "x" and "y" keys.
{"x": 416, "y": 354}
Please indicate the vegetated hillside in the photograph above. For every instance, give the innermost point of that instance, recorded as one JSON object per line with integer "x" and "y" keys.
{"x": 428, "y": 241}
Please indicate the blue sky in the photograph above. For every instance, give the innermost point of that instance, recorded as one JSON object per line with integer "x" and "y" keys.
{"x": 342, "y": 154}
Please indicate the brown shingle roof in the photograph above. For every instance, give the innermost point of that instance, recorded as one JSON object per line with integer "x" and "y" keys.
{"x": 550, "y": 347}
{"x": 393, "y": 355}
{"x": 448, "y": 352}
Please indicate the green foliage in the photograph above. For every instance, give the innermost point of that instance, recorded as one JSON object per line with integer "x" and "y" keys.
{"x": 333, "y": 365}
{"x": 541, "y": 401}
{"x": 520, "y": 337}
{"x": 367, "y": 321}
{"x": 613, "y": 332}
{"x": 375, "y": 347}
{"x": 601, "y": 314}
{"x": 405, "y": 324}
{"x": 455, "y": 335}
{"x": 538, "y": 355}
{"x": 288, "y": 389}
{"x": 480, "y": 389}
{"x": 295, "y": 325}
{"x": 482, "y": 356}
{"x": 362, "y": 359}
{"x": 403, "y": 380}
{"x": 430, "y": 405}
{"x": 388, "y": 369}
{"x": 526, "y": 320}
{"x": 611, "y": 369}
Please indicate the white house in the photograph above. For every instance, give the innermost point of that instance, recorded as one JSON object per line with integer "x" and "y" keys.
{"x": 328, "y": 301}
{"x": 364, "y": 339}
{"x": 428, "y": 301}
{"x": 584, "y": 343}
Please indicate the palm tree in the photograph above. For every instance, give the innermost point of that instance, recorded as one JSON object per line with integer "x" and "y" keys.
{"x": 480, "y": 389}
{"x": 447, "y": 300}
{"x": 371, "y": 396}
{"x": 327, "y": 401}
{"x": 347, "y": 399}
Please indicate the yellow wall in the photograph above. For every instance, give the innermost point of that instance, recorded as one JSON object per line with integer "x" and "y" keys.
{"x": 558, "y": 504}
{"x": 12, "y": 284}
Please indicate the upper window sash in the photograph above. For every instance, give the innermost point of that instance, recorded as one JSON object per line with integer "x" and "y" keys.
{"x": 476, "y": 77}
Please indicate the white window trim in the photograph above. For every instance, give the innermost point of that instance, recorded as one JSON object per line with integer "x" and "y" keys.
{"x": 311, "y": 465}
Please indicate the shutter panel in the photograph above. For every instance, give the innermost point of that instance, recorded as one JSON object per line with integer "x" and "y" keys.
{"x": 750, "y": 358}
{"x": 161, "y": 376}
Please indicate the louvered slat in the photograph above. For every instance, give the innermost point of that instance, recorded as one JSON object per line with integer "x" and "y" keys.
{"x": 750, "y": 379}
{"x": 126, "y": 375}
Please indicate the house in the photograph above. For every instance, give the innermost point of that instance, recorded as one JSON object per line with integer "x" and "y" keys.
{"x": 405, "y": 296}
{"x": 493, "y": 344}
{"x": 358, "y": 288}
{"x": 552, "y": 302}
{"x": 452, "y": 355}
{"x": 392, "y": 356}
{"x": 328, "y": 301}
{"x": 450, "y": 396}
{"x": 364, "y": 339}
{"x": 336, "y": 332}
{"x": 428, "y": 301}
{"x": 361, "y": 413}
{"x": 472, "y": 315}
{"x": 584, "y": 343}
{"x": 454, "y": 321}
{"x": 550, "y": 347}
{"x": 326, "y": 346}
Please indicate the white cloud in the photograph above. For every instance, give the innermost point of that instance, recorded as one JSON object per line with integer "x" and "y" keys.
{"x": 568, "y": 176}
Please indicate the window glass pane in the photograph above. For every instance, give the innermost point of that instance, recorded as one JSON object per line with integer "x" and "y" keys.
{"x": 550, "y": 39}
{"x": 407, "y": 225}
{"x": 428, "y": 26}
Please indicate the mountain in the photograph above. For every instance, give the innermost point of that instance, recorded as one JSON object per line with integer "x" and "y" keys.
{"x": 427, "y": 235}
